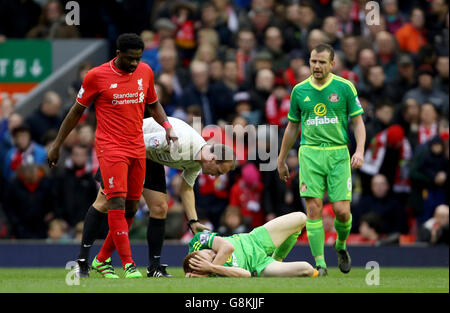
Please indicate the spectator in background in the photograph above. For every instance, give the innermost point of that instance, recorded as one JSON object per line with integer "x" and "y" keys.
{"x": 437, "y": 18}
{"x": 411, "y": 36}
{"x": 406, "y": 78}
{"x": 435, "y": 230}
{"x": 246, "y": 195}
{"x": 428, "y": 172}
{"x": 277, "y": 105}
{"x": 205, "y": 53}
{"x": 303, "y": 73}
{"x": 426, "y": 91}
{"x": 384, "y": 112}
{"x": 350, "y": 48}
{"x": 183, "y": 15}
{"x": 331, "y": 30}
{"x": 264, "y": 83}
{"x": 6, "y": 124}
{"x": 382, "y": 202}
{"x": 388, "y": 153}
{"x": 75, "y": 188}
{"x": 386, "y": 49}
{"x": 29, "y": 202}
{"x": 165, "y": 29}
{"x": 370, "y": 228}
{"x": 394, "y": 18}
{"x": 273, "y": 41}
{"x": 215, "y": 100}
{"x": 245, "y": 52}
{"x": 24, "y": 151}
{"x": 315, "y": 37}
{"x": 58, "y": 231}
{"x": 46, "y": 117}
{"x": 377, "y": 87}
{"x": 52, "y": 24}
{"x": 169, "y": 65}
{"x": 232, "y": 222}
{"x": 442, "y": 68}
{"x": 342, "y": 11}
{"x": 409, "y": 119}
{"x": 428, "y": 126}
{"x": 210, "y": 18}
{"x": 296, "y": 60}
{"x": 230, "y": 75}
{"x": 366, "y": 59}
{"x": 86, "y": 138}
{"x": 260, "y": 19}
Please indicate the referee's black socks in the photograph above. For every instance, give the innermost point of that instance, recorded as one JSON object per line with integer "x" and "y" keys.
{"x": 92, "y": 225}
{"x": 155, "y": 239}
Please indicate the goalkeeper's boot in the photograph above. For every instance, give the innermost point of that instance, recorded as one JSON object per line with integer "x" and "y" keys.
{"x": 82, "y": 268}
{"x": 159, "y": 271}
{"x": 104, "y": 268}
{"x": 322, "y": 271}
{"x": 344, "y": 260}
{"x": 131, "y": 271}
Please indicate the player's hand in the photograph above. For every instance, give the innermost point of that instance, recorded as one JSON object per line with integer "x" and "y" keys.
{"x": 283, "y": 171}
{"x": 200, "y": 264}
{"x": 199, "y": 227}
{"x": 357, "y": 160}
{"x": 53, "y": 156}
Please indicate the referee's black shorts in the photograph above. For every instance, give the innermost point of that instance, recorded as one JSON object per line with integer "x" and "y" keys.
{"x": 155, "y": 177}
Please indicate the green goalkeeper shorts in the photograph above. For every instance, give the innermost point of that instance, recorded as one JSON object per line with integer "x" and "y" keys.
{"x": 258, "y": 245}
{"x": 325, "y": 168}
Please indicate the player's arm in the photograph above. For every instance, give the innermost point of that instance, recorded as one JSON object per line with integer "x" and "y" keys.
{"x": 69, "y": 123}
{"x": 198, "y": 263}
{"x": 289, "y": 137}
{"x": 157, "y": 112}
{"x": 188, "y": 200}
{"x": 360, "y": 135}
{"x": 223, "y": 248}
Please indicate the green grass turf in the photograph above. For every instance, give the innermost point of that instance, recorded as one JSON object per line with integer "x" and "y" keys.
{"x": 391, "y": 280}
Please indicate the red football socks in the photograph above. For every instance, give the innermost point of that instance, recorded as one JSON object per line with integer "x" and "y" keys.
{"x": 117, "y": 237}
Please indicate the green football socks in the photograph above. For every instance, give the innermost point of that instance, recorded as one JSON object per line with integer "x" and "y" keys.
{"x": 316, "y": 238}
{"x": 283, "y": 250}
{"x": 343, "y": 230}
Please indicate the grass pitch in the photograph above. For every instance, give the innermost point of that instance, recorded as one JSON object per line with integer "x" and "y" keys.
{"x": 50, "y": 280}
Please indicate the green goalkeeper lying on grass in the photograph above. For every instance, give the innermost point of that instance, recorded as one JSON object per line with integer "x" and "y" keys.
{"x": 258, "y": 253}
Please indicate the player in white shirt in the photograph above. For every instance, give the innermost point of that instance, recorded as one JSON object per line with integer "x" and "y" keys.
{"x": 192, "y": 155}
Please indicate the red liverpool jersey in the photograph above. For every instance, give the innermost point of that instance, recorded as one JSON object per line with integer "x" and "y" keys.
{"x": 120, "y": 99}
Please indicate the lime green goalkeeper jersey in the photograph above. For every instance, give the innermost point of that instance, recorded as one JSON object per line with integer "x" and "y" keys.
{"x": 324, "y": 111}
{"x": 204, "y": 240}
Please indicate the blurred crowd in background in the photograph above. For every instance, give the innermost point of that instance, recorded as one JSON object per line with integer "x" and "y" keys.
{"x": 235, "y": 63}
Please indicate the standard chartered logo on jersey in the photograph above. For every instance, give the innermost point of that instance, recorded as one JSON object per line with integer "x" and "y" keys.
{"x": 320, "y": 109}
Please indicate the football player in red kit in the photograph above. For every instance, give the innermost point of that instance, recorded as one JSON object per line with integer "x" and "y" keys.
{"x": 120, "y": 89}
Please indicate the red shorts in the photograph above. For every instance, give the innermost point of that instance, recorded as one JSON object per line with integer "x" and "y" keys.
{"x": 122, "y": 176}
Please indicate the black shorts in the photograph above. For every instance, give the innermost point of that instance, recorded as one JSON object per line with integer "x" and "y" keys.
{"x": 155, "y": 177}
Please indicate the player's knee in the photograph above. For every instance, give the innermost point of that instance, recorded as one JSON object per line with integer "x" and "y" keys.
{"x": 342, "y": 211}
{"x": 300, "y": 219}
{"x": 158, "y": 209}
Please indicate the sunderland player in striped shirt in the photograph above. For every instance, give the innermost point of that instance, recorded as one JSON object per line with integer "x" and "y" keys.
{"x": 120, "y": 90}
{"x": 322, "y": 105}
